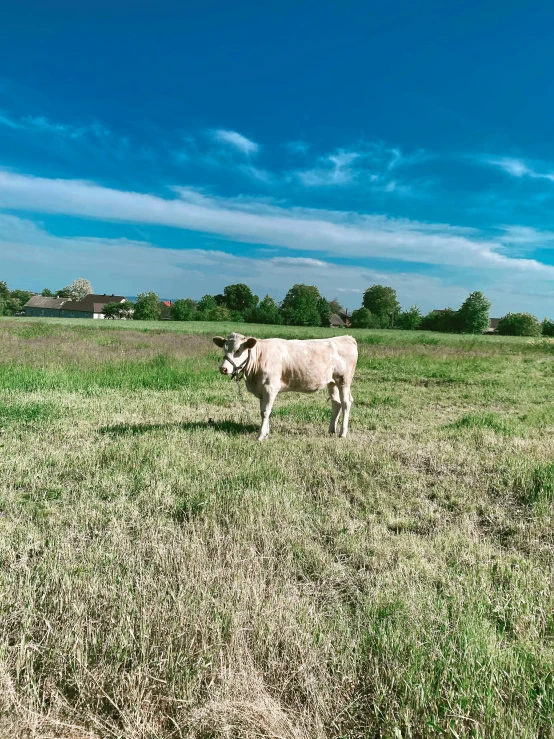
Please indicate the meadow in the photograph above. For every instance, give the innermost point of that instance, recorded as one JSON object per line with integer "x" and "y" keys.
{"x": 164, "y": 575}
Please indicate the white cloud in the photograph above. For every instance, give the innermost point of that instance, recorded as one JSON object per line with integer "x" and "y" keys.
{"x": 342, "y": 234}
{"x": 237, "y": 140}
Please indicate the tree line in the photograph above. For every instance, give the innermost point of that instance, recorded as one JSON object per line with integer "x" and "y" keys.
{"x": 303, "y": 306}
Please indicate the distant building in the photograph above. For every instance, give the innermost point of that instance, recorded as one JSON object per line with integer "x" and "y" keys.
{"x": 165, "y": 310}
{"x": 90, "y": 306}
{"x": 345, "y": 317}
{"x": 493, "y": 323}
{"x": 340, "y": 319}
{"x": 47, "y": 307}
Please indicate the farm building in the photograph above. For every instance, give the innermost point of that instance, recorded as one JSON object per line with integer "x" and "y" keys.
{"x": 493, "y": 323}
{"x": 39, "y": 306}
{"x": 340, "y": 319}
{"x": 89, "y": 307}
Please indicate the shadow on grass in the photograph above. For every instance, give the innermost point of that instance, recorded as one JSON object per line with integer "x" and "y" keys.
{"x": 232, "y": 428}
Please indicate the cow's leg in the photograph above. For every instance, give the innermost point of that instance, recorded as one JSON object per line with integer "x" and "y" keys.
{"x": 335, "y": 406}
{"x": 346, "y": 402}
{"x": 266, "y": 404}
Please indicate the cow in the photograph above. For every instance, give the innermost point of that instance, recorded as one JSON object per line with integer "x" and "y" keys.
{"x": 273, "y": 366}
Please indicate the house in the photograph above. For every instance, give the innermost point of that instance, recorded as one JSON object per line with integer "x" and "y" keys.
{"x": 165, "y": 310}
{"x": 340, "y": 319}
{"x": 493, "y": 323}
{"x": 39, "y": 306}
{"x": 89, "y": 307}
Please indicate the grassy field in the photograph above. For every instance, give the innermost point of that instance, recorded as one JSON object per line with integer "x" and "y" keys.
{"x": 163, "y": 575}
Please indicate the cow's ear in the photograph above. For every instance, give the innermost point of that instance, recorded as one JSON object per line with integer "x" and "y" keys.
{"x": 219, "y": 341}
{"x": 249, "y": 343}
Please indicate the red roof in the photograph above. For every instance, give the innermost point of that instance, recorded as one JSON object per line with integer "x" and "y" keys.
{"x": 167, "y": 302}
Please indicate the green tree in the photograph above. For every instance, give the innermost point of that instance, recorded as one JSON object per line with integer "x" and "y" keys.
{"x": 409, "y": 320}
{"x": 239, "y": 297}
{"x": 116, "y": 310}
{"x": 147, "y": 307}
{"x": 15, "y": 301}
{"x": 302, "y": 306}
{"x": 47, "y": 293}
{"x": 4, "y": 290}
{"x": 65, "y": 292}
{"x": 184, "y": 309}
{"x": 445, "y": 321}
{"x": 217, "y": 313}
{"x": 266, "y": 312}
{"x": 364, "y": 318}
{"x": 127, "y": 309}
{"x": 207, "y": 303}
{"x": 473, "y": 314}
{"x": 547, "y": 327}
{"x": 382, "y": 302}
{"x": 518, "y": 324}
{"x": 324, "y": 310}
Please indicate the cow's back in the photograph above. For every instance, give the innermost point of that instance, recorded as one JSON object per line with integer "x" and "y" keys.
{"x": 307, "y": 365}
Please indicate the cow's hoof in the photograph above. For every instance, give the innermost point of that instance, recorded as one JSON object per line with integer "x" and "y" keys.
{"x": 261, "y": 438}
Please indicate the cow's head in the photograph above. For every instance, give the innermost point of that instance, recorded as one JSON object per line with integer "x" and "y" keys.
{"x": 236, "y": 348}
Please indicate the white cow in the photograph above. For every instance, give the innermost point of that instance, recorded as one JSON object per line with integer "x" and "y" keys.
{"x": 272, "y": 366}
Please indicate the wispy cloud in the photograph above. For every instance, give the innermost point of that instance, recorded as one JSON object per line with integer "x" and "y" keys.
{"x": 236, "y": 140}
{"x": 297, "y": 147}
{"x": 371, "y": 166}
{"x": 342, "y": 234}
{"x": 41, "y": 124}
{"x": 519, "y": 168}
{"x": 295, "y": 262}
{"x": 8, "y": 122}
{"x": 333, "y": 169}
{"x": 526, "y": 237}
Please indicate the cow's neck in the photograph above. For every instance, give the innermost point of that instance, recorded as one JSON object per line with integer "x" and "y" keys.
{"x": 251, "y": 365}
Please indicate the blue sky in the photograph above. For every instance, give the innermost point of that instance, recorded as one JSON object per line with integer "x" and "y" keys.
{"x": 181, "y": 147}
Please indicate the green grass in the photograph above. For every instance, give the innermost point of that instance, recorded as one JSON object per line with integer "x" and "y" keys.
{"x": 163, "y": 575}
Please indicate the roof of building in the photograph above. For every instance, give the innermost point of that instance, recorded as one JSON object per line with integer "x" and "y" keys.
{"x": 104, "y": 298}
{"x": 38, "y": 301}
{"x": 166, "y": 303}
{"x": 86, "y": 305}
{"x": 336, "y": 320}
